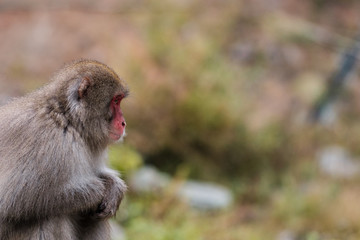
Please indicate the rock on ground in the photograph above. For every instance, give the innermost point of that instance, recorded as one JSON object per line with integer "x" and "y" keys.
{"x": 337, "y": 162}
{"x": 199, "y": 195}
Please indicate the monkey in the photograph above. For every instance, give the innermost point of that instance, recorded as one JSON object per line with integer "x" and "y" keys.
{"x": 54, "y": 182}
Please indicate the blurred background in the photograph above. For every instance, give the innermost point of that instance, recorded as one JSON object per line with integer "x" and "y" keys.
{"x": 243, "y": 118}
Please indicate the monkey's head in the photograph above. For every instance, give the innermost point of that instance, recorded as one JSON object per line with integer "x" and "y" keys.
{"x": 93, "y": 96}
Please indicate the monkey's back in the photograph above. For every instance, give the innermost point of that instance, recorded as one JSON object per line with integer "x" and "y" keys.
{"x": 36, "y": 159}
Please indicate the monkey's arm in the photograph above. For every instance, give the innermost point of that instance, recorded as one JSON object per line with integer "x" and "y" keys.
{"x": 115, "y": 189}
{"x": 26, "y": 200}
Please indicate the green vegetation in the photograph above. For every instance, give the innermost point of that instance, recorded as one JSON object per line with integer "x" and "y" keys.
{"x": 228, "y": 118}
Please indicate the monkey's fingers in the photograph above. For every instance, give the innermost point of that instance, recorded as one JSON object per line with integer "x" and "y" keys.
{"x": 104, "y": 211}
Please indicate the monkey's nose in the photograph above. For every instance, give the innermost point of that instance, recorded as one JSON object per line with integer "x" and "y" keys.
{"x": 123, "y": 123}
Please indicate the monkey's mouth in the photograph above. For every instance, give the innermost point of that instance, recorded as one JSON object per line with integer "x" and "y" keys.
{"x": 117, "y": 136}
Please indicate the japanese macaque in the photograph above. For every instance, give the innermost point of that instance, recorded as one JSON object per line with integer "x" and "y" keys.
{"x": 54, "y": 183}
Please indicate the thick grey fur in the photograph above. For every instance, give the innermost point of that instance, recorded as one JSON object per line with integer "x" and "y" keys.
{"x": 53, "y": 180}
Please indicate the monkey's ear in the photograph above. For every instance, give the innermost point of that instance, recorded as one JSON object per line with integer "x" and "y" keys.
{"x": 83, "y": 87}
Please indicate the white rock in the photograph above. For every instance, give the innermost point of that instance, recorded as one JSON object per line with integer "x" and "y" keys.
{"x": 205, "y": 196}
{"x": 336, "y": 162}
{"x": 148, "y": 179}
{"x": 200, "y": 195}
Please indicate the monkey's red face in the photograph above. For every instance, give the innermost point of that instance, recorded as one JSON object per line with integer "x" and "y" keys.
{"x": 118, "y": 124}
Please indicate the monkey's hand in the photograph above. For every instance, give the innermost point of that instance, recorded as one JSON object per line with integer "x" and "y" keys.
{"x": 113, "y": 194}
